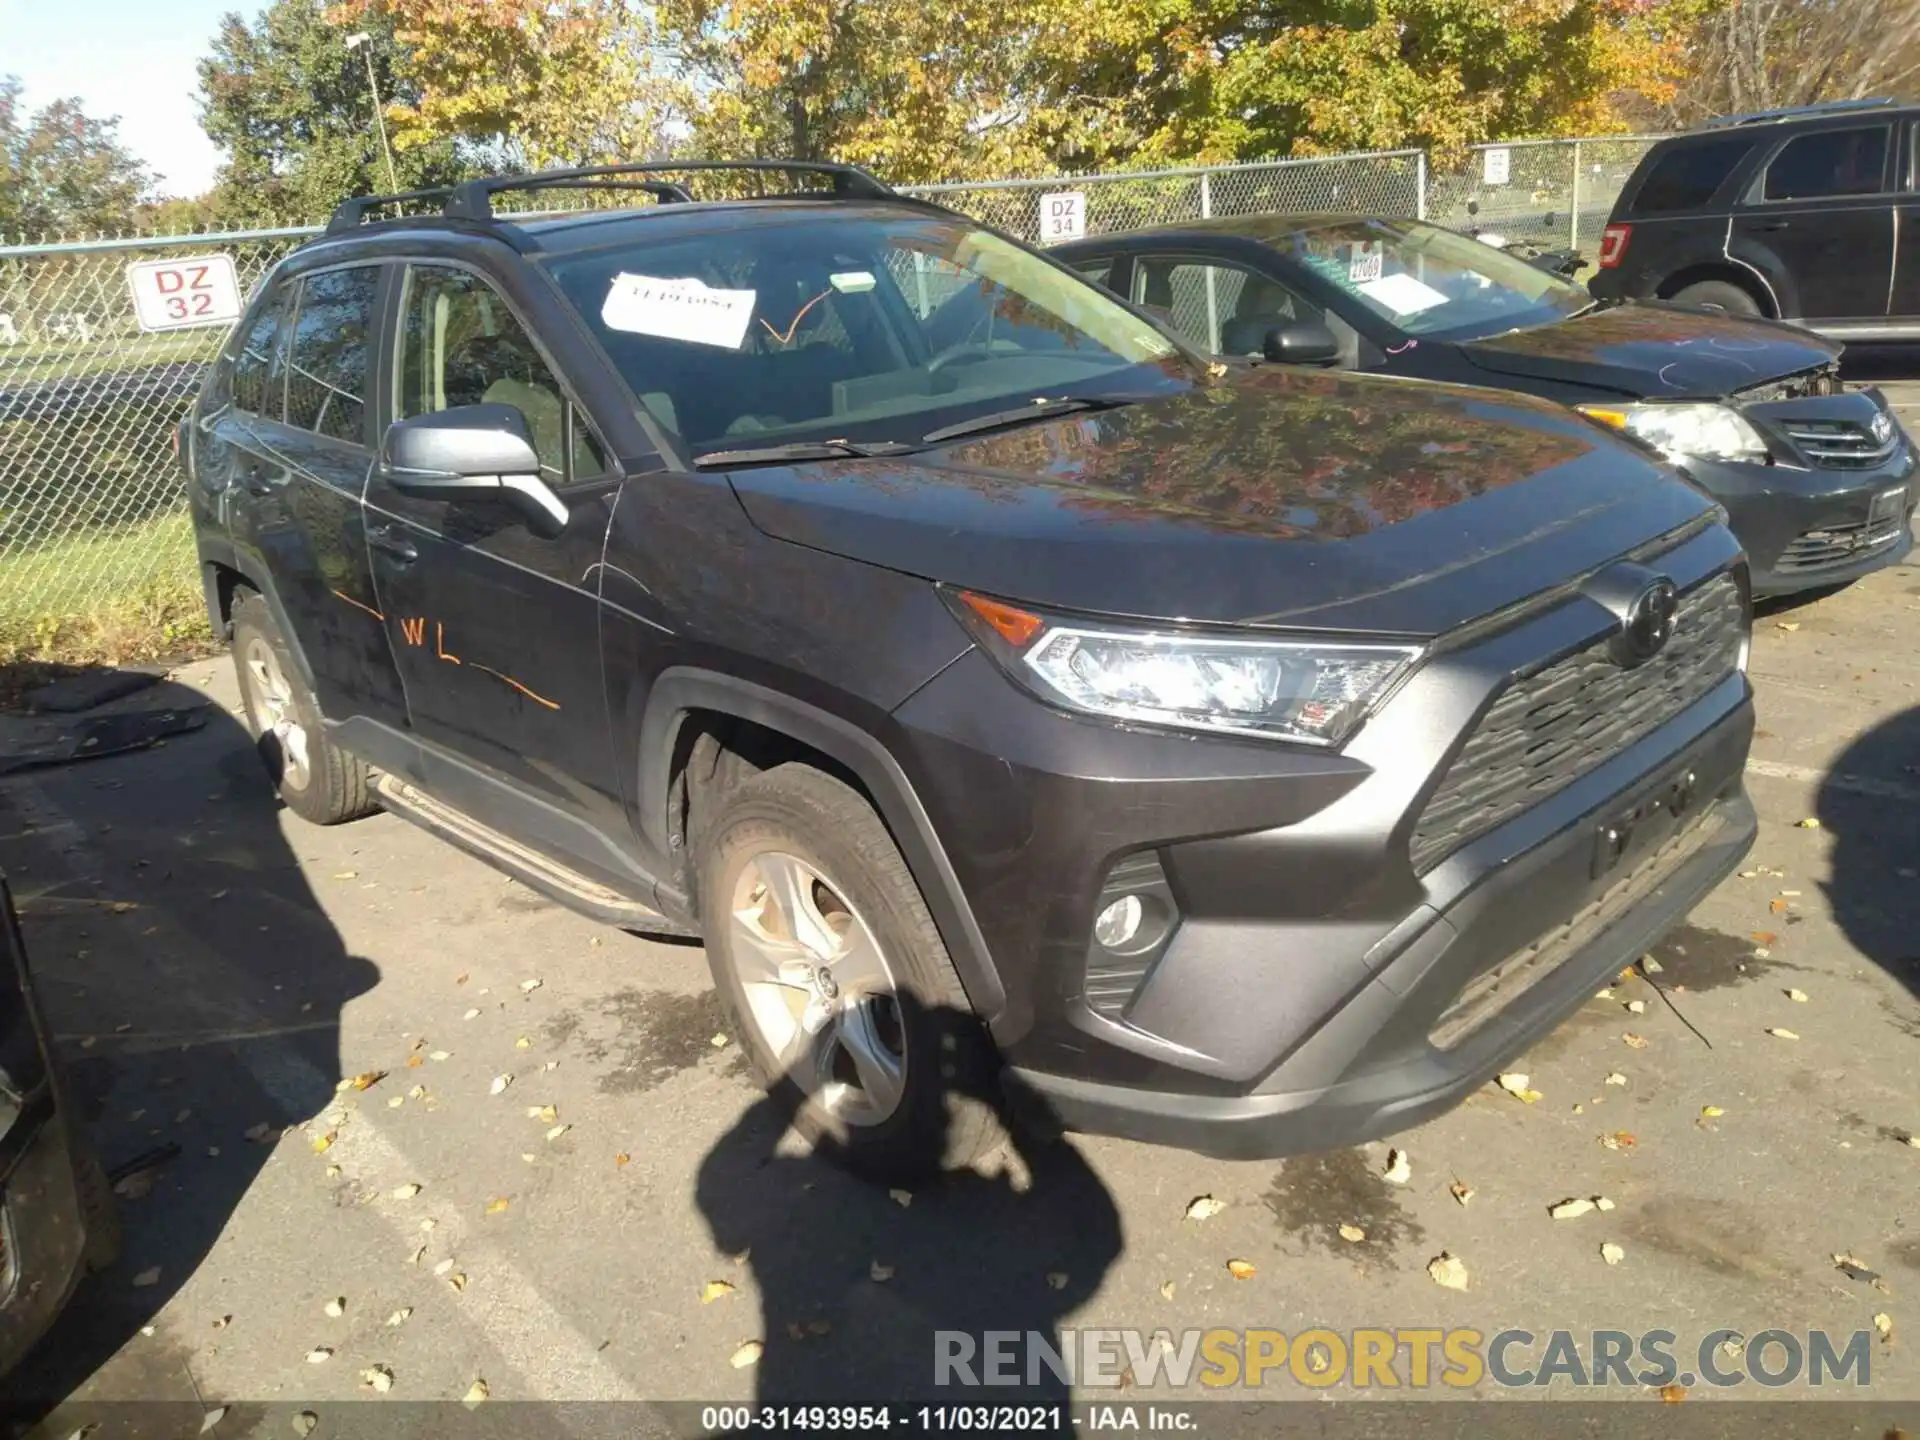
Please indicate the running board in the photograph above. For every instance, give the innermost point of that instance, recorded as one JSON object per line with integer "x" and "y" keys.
{"x": 531, "y": 868}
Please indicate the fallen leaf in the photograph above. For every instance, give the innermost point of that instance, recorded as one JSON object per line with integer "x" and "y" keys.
{"x": 879, "y": 1273}
{"x": 319, "y": 1355}
{"x": 1056, "y": 1279}
{"x": 457, "y": 1280}
{"x": 545, "y": 1114}
{"x": 444, "y": 1267}
{"x": 622, "y": 1159}
{"x": 497, "y": 1206}
{"x": 1636, "y": 1007}
{"x": 1712, "y": 1112}
{"x": 394, "y": 1102}
{"x": 221, "y": 1322}
{"x": 527, "y": 987}
{"x": 1786, "y": 625}
{"x": 1780, "y": 1034}
{"x": 1764, "y": 937}
{"x": 523, "y": 1043}
{"x": 1601, "y": 1202}
{"x": 399, "y": 1317}
{"x": 557, "y": 1131}
{"x": 1612, "y": 1253}
{"x": 1914, "y": 1141}
{"x": 1855, "y": 1269}
{"x": 1673, "y": 1394}
{"x": 257, "y": 1133}
{"x": 1569, "y": 1209}
{"x": 1633, "y": 1041}
{"x": 347, "y": 875}
{"x": 1399, "y": 1168}
{"x": 1777, "y": 906}
{"x": 500, "y": 1084}
{"x": 472, "y": 1014}
{"x": 146, "y": 1278}
{"x": 417, "y": 1256}
{"x": 418, "y": 1092}
{"x": 336, "y": 1307}
{"x": 1352, "y": 1233}
{"x": 902, "y": 1198}
{"x": 718, "y": 1042}
{"x": 414, "y": 1062}
{"x": 1799, "y": 997}
{"x": 713, "y": 1290}
{"x": 1515, "y": 1084}
{"x": 1460, "y": 1191}
{"x": 322, "y": 1143}
{"x": 747, "y": 1354}
{"x": 366, "y": 1080}
{"x": 440, "y": 1055}
{"x": 405, "y": 1192}
{"x": 1448, "y": 1270}
{"x": 1810, "y": 823}
{"x": 1883, "y": 1327}
{"x": 1616, "y": 1078}
{"x": 304, "y": 1422}
{"x": 476, "y": 1392}
{"x": 1204, "y": 1207}
{"x": 1240, "y": 1269}
{"x": 212, "y": 1418}
{"x": 377, "y": 1377}
{"x": 1166, "y": 1290}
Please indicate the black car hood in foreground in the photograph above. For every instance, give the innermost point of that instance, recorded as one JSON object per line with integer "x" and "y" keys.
{"x": 1278, "y": 496}
{"x": 1655, "y": 352}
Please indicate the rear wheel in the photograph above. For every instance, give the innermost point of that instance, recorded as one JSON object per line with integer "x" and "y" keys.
{"x": 1717, "y": 295}
{"x": 836, "y": 980}
{"x": 317, "y": 780}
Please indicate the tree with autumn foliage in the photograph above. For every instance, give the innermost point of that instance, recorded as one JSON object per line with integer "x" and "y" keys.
{"x": 534, "y": 82}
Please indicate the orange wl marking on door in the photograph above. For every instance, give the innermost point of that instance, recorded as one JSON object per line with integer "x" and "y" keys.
{"x": 414, "y": 629}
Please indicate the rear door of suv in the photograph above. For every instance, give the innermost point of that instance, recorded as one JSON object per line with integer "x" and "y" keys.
{"x": 1904, "y": 307}
{"x": 298, "y": 447}
{"x": 1821, "y": 209}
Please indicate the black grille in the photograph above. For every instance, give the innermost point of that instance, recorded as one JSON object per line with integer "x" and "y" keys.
{"x": 1839, "y": 545}
{"x": 1558, "y": 723}
{"x": 1841, "y": 444}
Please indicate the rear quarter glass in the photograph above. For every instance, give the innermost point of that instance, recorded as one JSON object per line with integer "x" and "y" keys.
{"x": 1687, "y": 176}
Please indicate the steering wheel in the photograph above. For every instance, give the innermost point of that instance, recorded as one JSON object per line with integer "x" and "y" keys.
{"x": 965, "y": 350}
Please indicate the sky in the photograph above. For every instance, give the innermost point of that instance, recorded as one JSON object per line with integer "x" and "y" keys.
{"x": 131, "y": 58}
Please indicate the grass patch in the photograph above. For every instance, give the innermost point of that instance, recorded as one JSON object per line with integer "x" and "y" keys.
{"x": 104, "y": 597}
{"x": 74, "y": 360}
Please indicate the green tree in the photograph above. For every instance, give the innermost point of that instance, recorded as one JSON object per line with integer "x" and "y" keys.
{"x": 63, "y": 172}
{"x": 289, "y": 105}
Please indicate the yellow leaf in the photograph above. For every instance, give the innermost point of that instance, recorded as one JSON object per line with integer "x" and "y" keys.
{"x": 713, "y": 1290}
{"x": 1712, "y": 1112}
{"x": 1352, "y": 1233}
{"x": 322, "y": 1143}
{"x": 497, "y": 1205}
{"x": 747, "y": 1354}
{"x": 1241, "y": 1269}
{"x": 1448, "y": 1270}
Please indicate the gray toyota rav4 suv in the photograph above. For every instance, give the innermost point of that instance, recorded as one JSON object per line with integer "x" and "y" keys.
{"x": 1249, "y": 759}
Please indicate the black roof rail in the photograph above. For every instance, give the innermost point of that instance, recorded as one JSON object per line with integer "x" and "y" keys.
{"x": 348, "y": 214}
{"x": 1791, "y": 112}
{"x": 473, "y": 199}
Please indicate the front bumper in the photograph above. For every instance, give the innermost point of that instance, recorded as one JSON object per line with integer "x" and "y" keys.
{"x": 1807, "y": 528}
{"x": 1318, "y": 946}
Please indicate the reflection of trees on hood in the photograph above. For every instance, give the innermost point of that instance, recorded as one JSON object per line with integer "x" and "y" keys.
{"x": 1289, "y": 452}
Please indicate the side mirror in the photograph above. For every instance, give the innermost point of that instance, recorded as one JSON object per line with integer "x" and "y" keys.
{"x": 1305, "y": 342}
{"x": 473, "y": 452}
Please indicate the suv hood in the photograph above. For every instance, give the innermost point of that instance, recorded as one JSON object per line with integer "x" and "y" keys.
{"x": 1276, "y": 497}
{"x": 1655, "y": 352}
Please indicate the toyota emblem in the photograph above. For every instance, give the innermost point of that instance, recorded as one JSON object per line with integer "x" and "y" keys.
{"x": 1647, "y": 624}
{"x": 1882, "y": 427}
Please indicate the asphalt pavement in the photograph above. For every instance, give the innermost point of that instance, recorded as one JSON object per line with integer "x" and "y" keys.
{"x": 559, "y": 1182}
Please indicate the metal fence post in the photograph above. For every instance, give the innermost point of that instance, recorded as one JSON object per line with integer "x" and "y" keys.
{"x": 1213, "y": 297}
{"x": 1573, "y": 236}
{"x": 1420, "y": 186}
{"x": 1206, "y": 197}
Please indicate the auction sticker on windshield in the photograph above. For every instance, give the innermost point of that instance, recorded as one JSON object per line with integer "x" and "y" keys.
{"x": 1402, "y": 294}
{"x": 180, "y": 294}
{"x": 686, "y": 309}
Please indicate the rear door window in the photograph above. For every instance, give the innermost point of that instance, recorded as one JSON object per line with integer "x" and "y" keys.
{"x": 1687, "y": 176}
{"x": 1828, "y": 163}
{"x": 256, "y": 389}
{"x": 330, "y": 354}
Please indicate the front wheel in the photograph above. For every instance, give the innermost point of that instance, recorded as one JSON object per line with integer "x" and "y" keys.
{"x": 837, "y": 982}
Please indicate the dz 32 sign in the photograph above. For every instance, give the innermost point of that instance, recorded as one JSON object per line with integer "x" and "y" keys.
{"x": 180, "y": 294}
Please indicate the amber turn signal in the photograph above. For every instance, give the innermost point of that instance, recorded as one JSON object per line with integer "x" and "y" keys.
{"x": 1011, "y": 624}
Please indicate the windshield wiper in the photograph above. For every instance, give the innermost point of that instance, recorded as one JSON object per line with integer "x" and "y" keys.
{"x": 1042, "y": 409}
{"x": 800, "y": 450}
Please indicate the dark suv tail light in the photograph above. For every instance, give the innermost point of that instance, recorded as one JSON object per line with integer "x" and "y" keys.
{"x": 1613, "y": 245}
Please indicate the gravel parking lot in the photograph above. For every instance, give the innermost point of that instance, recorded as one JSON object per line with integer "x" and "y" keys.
{"x": 592, "y": 1167}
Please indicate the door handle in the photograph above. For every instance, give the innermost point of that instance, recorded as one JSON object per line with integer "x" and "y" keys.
{"x": 1773, "y": 225}
{"x": 392, "y": 543}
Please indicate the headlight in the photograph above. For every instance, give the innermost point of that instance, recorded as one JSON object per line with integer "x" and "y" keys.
{"x": 1277, "y": 689}
{"x": 1710, "y": 432}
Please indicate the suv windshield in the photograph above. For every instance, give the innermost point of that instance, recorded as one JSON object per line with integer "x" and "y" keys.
{"x": 859, "y": 329}
{"x": 1426, "y": 281}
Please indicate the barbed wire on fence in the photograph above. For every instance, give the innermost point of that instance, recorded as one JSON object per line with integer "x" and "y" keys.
{"x": 92, "y": 501}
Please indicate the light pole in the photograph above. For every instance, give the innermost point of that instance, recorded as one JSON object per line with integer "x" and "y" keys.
{"x": 356, "y": 41}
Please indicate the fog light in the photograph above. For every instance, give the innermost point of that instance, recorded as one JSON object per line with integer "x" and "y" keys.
{"x": 1119, "y": 922}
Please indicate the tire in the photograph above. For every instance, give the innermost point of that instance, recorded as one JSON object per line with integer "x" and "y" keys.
{"x": 316, "y": 780}
{"x": 940, "y": 1111}
{"x": 1718, "y": 295}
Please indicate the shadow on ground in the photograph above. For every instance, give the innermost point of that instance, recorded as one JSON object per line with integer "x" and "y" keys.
{"x": 859, "y": 1281}
{"x": 1868, "y": 802}
{"x": 195, "y": 988}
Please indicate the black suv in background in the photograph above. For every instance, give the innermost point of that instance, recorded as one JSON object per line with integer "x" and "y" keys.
{"x": 1248, "y": 760}
{"x": 1810, "y": 215}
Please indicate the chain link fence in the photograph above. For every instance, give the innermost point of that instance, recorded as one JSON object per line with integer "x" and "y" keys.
{"x": 92, "y": 508}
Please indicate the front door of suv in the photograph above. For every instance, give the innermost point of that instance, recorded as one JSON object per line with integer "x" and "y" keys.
{"x": 1821, "y": 208}
{"x": 296, "y": 446}
{"x": 498, "y": 629}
